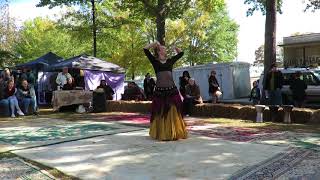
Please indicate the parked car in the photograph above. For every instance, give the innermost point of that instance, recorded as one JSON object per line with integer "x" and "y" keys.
{"x": 310, "y": 76}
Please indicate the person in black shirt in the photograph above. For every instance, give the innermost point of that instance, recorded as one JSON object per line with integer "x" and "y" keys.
{"x": 148, "y": 86}
{"x": 298, "y": 88}
{"x": 183, "y": 82}
{"x": 255, "y": 94}
{"x": 69, "y": 85}
{"x": 108, "y": 91}
{"x": 167, "y": 122}
{"x": 213, "y": 86}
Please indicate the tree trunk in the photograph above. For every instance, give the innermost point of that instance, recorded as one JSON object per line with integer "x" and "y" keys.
{"x": 269, "y": 41}
{"x": 270, "y": 34}
{"x": 161, "y": 22}
{"x": 94, "y": 28}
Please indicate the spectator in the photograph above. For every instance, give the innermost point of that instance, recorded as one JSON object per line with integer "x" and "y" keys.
{"x": 273, "y": 85}
{"x": 133, "y": 92}
{"x": 148, "y": 85}
{"x": 213, "y": 86}
{"x": 25, "y": 95}
{"x": 62, "y": 78}
{"x": 4, "y": 103}
{"x": 28, "y": 75}
{"x": 183, "y": 81}
{"x": 108, "y": 91}
{"x": 7, "y": 75}
{"x": 192, "y": 96}
{"x": 69, "y": 85}
{"x": 298, "y": 88}
{"x": 255, "y": 94}
{"x": 11, "y": 91}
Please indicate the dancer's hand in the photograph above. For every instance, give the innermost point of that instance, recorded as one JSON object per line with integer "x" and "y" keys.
{"x": 152, "y": 45}
{"x": 178, "y": 50}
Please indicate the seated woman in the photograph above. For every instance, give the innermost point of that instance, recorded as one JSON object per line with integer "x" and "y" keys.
{"x": 133, "y": 92}
{"x": 108, "y": 91}
{"x": 25, "y": 95}
{"x": 4, "y": 103}
{"x": 192, "y": 96}
{"x": 10, "y": 95}
{"x": 69, "y": 85}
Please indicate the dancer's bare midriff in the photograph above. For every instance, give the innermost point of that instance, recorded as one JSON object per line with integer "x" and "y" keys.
{"x": 164, "y": 79}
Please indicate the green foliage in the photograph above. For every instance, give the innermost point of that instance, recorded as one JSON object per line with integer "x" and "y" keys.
{"x": 54, "y": 3}
{"x": 8, "y": 36}
{"x": 39, "y": 36}
{"x": 201, "y": 28}
{"x": 260, "y": 5}
{"x": 313, "y": 5}
{"x": 206, "y": 34}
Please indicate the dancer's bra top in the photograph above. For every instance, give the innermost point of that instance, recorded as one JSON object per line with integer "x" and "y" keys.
{"x": 158, "y": 66}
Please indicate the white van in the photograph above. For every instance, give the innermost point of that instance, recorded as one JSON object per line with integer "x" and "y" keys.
{"x": 310, "y": 76}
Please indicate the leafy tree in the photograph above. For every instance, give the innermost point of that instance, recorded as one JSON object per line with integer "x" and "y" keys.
{"x": 259, "y": 55}
{"x": 83, "y": 3}
{"x": 39, "y": 36}
{"x": 8, "y": 35}
{"x": 270, "y": 9}
{"x": 158, "y": 10}
{"x": 205, "y": 34}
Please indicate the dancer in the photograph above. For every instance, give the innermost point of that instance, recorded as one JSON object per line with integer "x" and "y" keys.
{"x": 166, "y": 113}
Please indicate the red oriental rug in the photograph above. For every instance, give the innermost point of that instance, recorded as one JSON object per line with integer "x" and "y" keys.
{"x": 233, "y": 133}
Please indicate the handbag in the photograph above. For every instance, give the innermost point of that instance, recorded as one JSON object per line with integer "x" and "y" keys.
{"x": 219, "y": 93}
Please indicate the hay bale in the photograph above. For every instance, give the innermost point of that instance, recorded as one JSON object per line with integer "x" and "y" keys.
{"x": 128, "y": 106}
{"x": 302, "y": 115}
{"x": 248, "y": 113}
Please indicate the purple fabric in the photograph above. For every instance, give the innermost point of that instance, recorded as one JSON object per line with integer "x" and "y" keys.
{"x": 160, "y": 103}
{"x": 116, "y": 81}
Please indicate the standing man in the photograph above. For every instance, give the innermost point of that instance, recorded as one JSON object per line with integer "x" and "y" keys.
{"x": 148, "y": 86}
{"x": 273, "y": 85}
{"x": 62, "y": 78}
{"x": 298, "y": 88}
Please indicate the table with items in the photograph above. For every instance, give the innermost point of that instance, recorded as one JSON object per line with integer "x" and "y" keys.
{"x": 70, "y": 97}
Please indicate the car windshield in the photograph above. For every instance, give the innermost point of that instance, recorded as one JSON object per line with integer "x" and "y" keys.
{"x": 317, "y": 74}
{"x": 311, "y": 78}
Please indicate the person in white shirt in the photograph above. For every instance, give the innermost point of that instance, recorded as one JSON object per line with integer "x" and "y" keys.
{"x": 62, "y": 77}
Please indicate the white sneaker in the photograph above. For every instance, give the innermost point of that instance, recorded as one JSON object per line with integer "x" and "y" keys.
{"x": 20, "y": 113}
{"x": 13, "y": 116}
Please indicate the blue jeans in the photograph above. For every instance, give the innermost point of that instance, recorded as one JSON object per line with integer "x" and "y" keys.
{"x": 4, "y": 104}
{"x": 275, "y": 97}
{"x": 14, "y": 104}
{"x": 26, "y": 102}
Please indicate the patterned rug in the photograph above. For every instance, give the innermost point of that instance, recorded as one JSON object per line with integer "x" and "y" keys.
{"x": 29, "y": 134}
{"x": 230, "y": 133}
{"x": 52, "y": 131}
{"x": 295, "y": 164}
{"x": 16, "y": 168}
{"x": 129, "y": 118}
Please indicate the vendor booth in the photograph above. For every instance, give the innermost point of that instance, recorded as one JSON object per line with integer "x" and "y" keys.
{"x": 39, "y": 67}
{"x": 92, "y": 70}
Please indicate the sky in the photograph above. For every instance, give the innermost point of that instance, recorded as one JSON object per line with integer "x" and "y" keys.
{"x": 251, "y": 32}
